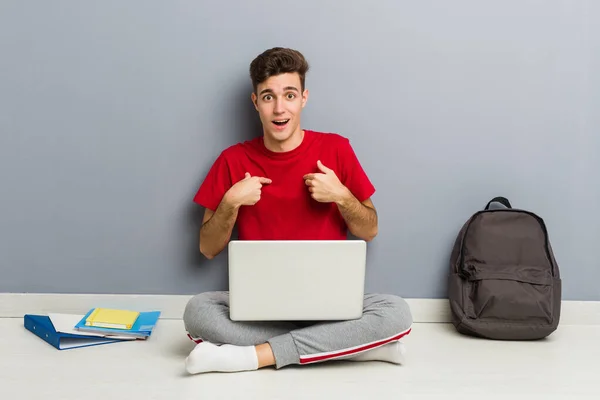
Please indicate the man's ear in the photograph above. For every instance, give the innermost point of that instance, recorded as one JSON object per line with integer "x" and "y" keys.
{"x": 304, "y": 97}
{"x": 254, "y": 100}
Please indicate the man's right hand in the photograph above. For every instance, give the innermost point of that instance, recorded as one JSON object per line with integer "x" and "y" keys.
{"x": 246, "y": 192}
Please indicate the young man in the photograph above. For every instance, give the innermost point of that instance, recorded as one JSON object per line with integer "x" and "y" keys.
{"x": 288, "y": 184}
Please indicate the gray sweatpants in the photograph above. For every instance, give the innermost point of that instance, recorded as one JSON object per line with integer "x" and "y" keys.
{"x": 386, "y": 318}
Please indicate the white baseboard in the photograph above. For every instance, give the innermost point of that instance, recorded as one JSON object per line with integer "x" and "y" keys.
{"x": 15, "y": 305}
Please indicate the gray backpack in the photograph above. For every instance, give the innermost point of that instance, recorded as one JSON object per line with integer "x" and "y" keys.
{"x": 504, "y": 281}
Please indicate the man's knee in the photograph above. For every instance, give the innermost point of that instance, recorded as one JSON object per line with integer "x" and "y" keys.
{"x": 394, "y": 315}
{"x": 201, "y": 312}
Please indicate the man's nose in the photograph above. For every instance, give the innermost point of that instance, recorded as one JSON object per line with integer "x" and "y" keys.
{"x": 278, "y": 107}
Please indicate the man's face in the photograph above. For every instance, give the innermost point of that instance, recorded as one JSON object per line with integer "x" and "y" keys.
{"x": 279, "y": 102}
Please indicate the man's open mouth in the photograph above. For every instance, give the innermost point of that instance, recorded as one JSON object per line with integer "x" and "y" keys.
{"x": 281, "y": 122}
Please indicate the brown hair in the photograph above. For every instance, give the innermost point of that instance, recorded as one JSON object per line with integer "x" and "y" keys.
{"x": 275, "y": 61}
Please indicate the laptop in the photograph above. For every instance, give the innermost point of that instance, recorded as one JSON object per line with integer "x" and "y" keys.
{"x": 304, "y": 280}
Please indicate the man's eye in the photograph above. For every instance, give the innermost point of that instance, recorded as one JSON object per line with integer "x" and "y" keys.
{"x": 291, "y": 96}
{"x": 267, "y": 97}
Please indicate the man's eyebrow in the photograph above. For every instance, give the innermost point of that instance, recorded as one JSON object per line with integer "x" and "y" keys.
{"x": 285, "y": 88}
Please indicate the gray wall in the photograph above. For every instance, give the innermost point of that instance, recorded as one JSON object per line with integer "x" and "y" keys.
{"x": 111, "y": 114}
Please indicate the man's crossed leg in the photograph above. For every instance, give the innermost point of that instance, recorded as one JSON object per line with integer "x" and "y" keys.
{"x": 224, "y": 345}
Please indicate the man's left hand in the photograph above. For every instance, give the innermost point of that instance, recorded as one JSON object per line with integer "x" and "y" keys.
{"x": 325, "y": 187}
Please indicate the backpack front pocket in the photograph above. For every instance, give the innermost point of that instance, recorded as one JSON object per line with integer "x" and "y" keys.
{"x": 509, "y": 293}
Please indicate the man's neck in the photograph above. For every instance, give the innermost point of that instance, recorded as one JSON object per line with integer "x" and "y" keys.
{"x": 281, "y": 147}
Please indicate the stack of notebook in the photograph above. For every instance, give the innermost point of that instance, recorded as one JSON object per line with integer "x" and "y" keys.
{"x": 118, "y": 322}
{"x": 98, "y": 326}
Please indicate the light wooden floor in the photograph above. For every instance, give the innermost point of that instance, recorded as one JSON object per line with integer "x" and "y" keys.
{"x": 440, "y": 364}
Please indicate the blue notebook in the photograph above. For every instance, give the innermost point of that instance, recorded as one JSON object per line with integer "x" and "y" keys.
{"x": 141, "y": 329}
{"x": 42, "y": 327}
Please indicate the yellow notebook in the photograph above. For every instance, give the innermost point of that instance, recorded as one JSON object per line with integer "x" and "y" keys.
{"x": 110, "y": 318}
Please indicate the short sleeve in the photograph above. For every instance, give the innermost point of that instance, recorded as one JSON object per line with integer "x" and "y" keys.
{"x": 215, "y": 185}
{"x": 353, "y": 175}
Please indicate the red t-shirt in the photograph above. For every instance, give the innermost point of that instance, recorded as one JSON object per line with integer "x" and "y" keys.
{"x": 286, "y": 210}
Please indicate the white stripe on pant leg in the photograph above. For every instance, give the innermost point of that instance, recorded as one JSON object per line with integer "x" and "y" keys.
{"x": 311, "y": 358}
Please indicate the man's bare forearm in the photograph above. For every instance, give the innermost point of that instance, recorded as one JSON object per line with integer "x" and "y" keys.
{"x": 216, "y": 232}
{"x": 361, "y": 220}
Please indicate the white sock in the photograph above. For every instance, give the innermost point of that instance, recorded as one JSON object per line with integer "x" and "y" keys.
{"x": 208, "y": 357}
{"x": 392, "y": 352}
